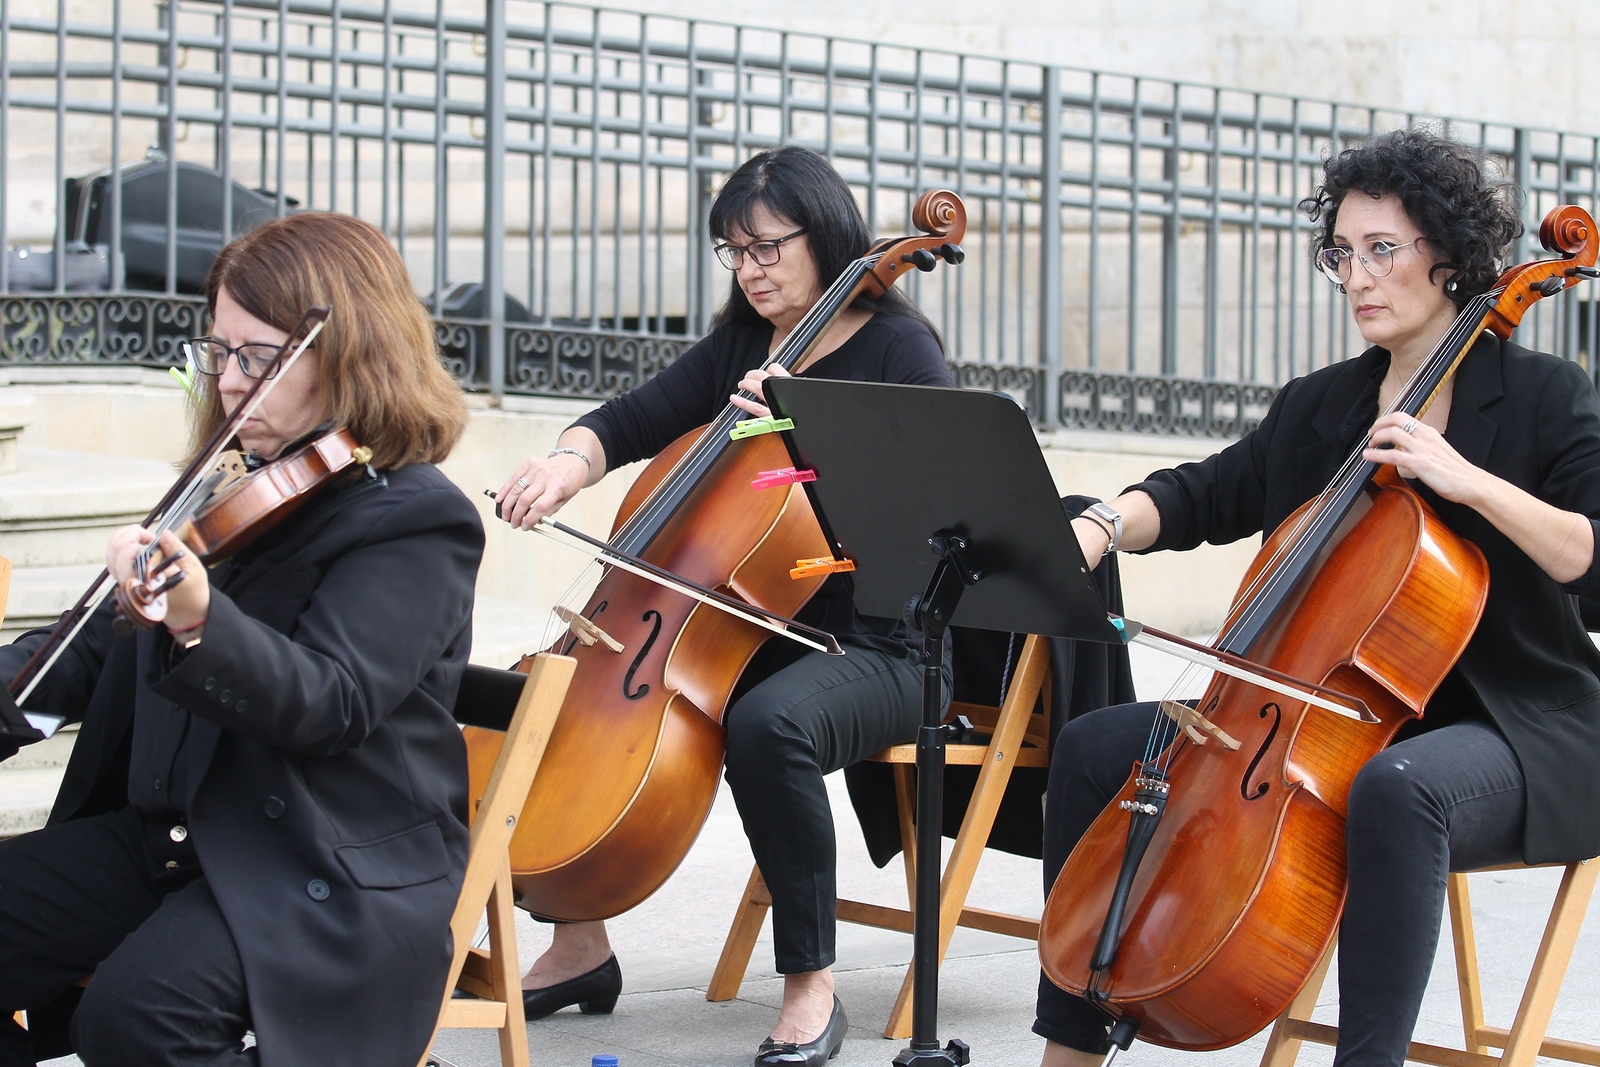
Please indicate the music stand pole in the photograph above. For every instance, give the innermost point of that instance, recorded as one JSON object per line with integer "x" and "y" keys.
{"x": 930, "y": 612}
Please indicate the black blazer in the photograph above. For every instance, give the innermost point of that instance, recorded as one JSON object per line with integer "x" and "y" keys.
{"x": 327, "y": 779}
{"x": 1531, "y": 419}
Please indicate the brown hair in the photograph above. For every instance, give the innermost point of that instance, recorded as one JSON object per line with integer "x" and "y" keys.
{"x": 378, "y": 360}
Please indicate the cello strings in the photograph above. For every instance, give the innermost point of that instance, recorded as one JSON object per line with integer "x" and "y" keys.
{"x": 1270, "y": 578}
{"x": 688, "y": 470}
{"x": 1426, "y": 379}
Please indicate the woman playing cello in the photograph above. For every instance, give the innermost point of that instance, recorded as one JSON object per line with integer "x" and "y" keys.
{"x": 1499, "y": 769}
{"x": 787, "y": 226}
{"x": 263, "y": 823}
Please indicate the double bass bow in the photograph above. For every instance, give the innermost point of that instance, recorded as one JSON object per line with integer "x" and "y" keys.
{"x": 1365, "y": 589}
{"x": 634, "y": 761}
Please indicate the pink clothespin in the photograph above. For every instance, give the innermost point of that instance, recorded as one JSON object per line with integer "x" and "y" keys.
{"x": 786, "y": 476}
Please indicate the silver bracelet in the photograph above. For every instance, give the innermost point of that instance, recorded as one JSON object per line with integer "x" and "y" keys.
{"x": 572, "y": 452}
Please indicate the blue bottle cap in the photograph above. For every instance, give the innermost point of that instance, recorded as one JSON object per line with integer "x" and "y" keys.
{"x": 603, "y": 1059}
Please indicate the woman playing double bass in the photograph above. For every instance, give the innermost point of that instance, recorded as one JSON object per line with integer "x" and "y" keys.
{"x": 262, "y": 826}
{"x": 1500, "y": 768}
{"x": 787, "y": 226}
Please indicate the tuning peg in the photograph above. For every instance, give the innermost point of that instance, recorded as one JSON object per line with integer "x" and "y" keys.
{"x": 952, "y": 253}
{"x": 922, "y": 259}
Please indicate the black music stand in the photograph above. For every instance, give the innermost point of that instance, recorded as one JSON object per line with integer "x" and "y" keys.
{"x": 905, "y": 468}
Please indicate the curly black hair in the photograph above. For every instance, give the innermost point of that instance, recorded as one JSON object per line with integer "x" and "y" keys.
{"x": 798, "y": 185}
{"x": 1467, "y": 215}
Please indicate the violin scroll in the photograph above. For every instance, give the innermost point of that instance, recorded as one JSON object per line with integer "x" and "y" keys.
{"x": 1568, "y": 230}
{"x": 942, "y": 217}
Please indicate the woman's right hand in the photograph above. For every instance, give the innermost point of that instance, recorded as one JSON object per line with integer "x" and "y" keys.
{"x": 539, "y": 487}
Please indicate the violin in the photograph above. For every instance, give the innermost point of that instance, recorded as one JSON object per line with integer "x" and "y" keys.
{"x": 194, "y": 487}
{"x": 1363, "y": 588}
{"x": 634, "y": 761}
{"x": 239, "y": 507}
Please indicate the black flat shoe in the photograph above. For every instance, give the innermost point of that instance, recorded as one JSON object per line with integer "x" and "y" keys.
{"x": 812, "y": 1053}
{"x": 595, "y": 993}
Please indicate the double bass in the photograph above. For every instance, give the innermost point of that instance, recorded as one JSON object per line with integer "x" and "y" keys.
{"x": 1199, "y": 902}
{"x": 634, "y": 761}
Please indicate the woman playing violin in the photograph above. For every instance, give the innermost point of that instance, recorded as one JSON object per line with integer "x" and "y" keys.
{"x": 1410, "y": 226}
{"x": 263, "y": 824}
{"x": 786, "y": 225}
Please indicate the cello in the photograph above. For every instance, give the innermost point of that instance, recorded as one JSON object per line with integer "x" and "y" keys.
{"x": 1365, "y": 589}
{"x": 635, "y": 758}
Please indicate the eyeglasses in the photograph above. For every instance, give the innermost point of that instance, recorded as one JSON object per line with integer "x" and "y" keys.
{"x": 1377, "y": 260}
{"x": 765, "y": 253}
{"x": 210, "y": 356}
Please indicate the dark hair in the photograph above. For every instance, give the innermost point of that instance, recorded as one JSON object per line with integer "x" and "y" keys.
{"x": 802, "y": 187}
{"x": 1467, "y": 215}
{"x": 377, "y": 359}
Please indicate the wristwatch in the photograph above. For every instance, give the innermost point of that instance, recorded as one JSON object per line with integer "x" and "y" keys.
{"x": 1112, "y": 516}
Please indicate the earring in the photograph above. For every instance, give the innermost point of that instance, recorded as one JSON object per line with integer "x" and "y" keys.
{"x": 1341, "y": 288}
{"x": 1450, "y": 286}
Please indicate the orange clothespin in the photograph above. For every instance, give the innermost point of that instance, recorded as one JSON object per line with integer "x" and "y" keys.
{"x": 807, "y": 568}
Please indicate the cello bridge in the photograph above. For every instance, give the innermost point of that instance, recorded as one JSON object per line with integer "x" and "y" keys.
{"x": 1196, "y": 727}
{"x": 586, "y": 631}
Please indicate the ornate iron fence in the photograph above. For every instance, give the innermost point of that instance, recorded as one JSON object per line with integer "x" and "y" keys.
{"x": 1136, "y": 260}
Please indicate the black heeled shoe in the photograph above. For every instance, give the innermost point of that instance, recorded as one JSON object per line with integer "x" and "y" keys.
{"x": 812, "y": 1053}
{"x": 595, "y": 993}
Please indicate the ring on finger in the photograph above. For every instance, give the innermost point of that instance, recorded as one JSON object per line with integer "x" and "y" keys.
{"x": 1410, "y": 426}
{"x": 521, "y": 483}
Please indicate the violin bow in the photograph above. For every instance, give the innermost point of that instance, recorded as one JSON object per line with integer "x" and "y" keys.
{"x": 71, "y": 624}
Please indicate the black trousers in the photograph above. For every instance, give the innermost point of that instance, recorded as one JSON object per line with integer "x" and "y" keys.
{"x": 803, "y": 720}
{"x": 1449, "y": 799}
{"x": 97, "y": 896}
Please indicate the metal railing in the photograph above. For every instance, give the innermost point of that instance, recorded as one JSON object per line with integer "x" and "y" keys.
{"x": 1136, "y": 259}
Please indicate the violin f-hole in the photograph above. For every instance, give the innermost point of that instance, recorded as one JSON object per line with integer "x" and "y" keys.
{"x": 644, "y": 650}
{"x": 1244, "y": 783}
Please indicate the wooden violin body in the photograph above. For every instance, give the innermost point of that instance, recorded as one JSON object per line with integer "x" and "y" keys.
{"x": 243, "y": 507}
{"x": 1222, "y": 932}
{"x": 256, "y": 503}
{"x": 633, "y": 763}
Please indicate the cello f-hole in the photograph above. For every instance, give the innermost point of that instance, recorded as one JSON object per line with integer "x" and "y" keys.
{"x": 1244, "y": 783}
{"x": 649, "y": 642}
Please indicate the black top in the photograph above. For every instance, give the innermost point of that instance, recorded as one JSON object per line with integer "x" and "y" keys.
{"x": 1531, "y": 419}
{"x": 694, "y": 390}
{"x": 324, "y": 777}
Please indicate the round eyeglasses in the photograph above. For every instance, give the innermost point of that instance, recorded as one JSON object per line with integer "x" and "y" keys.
{"x": 1377, "y": 260}
{"x": 764, "y": 253}
{"x": 210, "y": 356}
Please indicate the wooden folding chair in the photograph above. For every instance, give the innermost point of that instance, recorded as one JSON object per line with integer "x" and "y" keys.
{"x": 1011, "y": 727}
{"x": 491, "y": 975}
{"x": 1524, "y": 1041}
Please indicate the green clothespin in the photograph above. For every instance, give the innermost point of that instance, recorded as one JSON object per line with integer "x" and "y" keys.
{"x": 757, "y": 427}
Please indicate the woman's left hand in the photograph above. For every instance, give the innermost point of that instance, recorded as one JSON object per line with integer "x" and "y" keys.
{"x": 188, "y": 602}
{"x": 751, "y": 383}
{"x": 1424, "y": 454}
